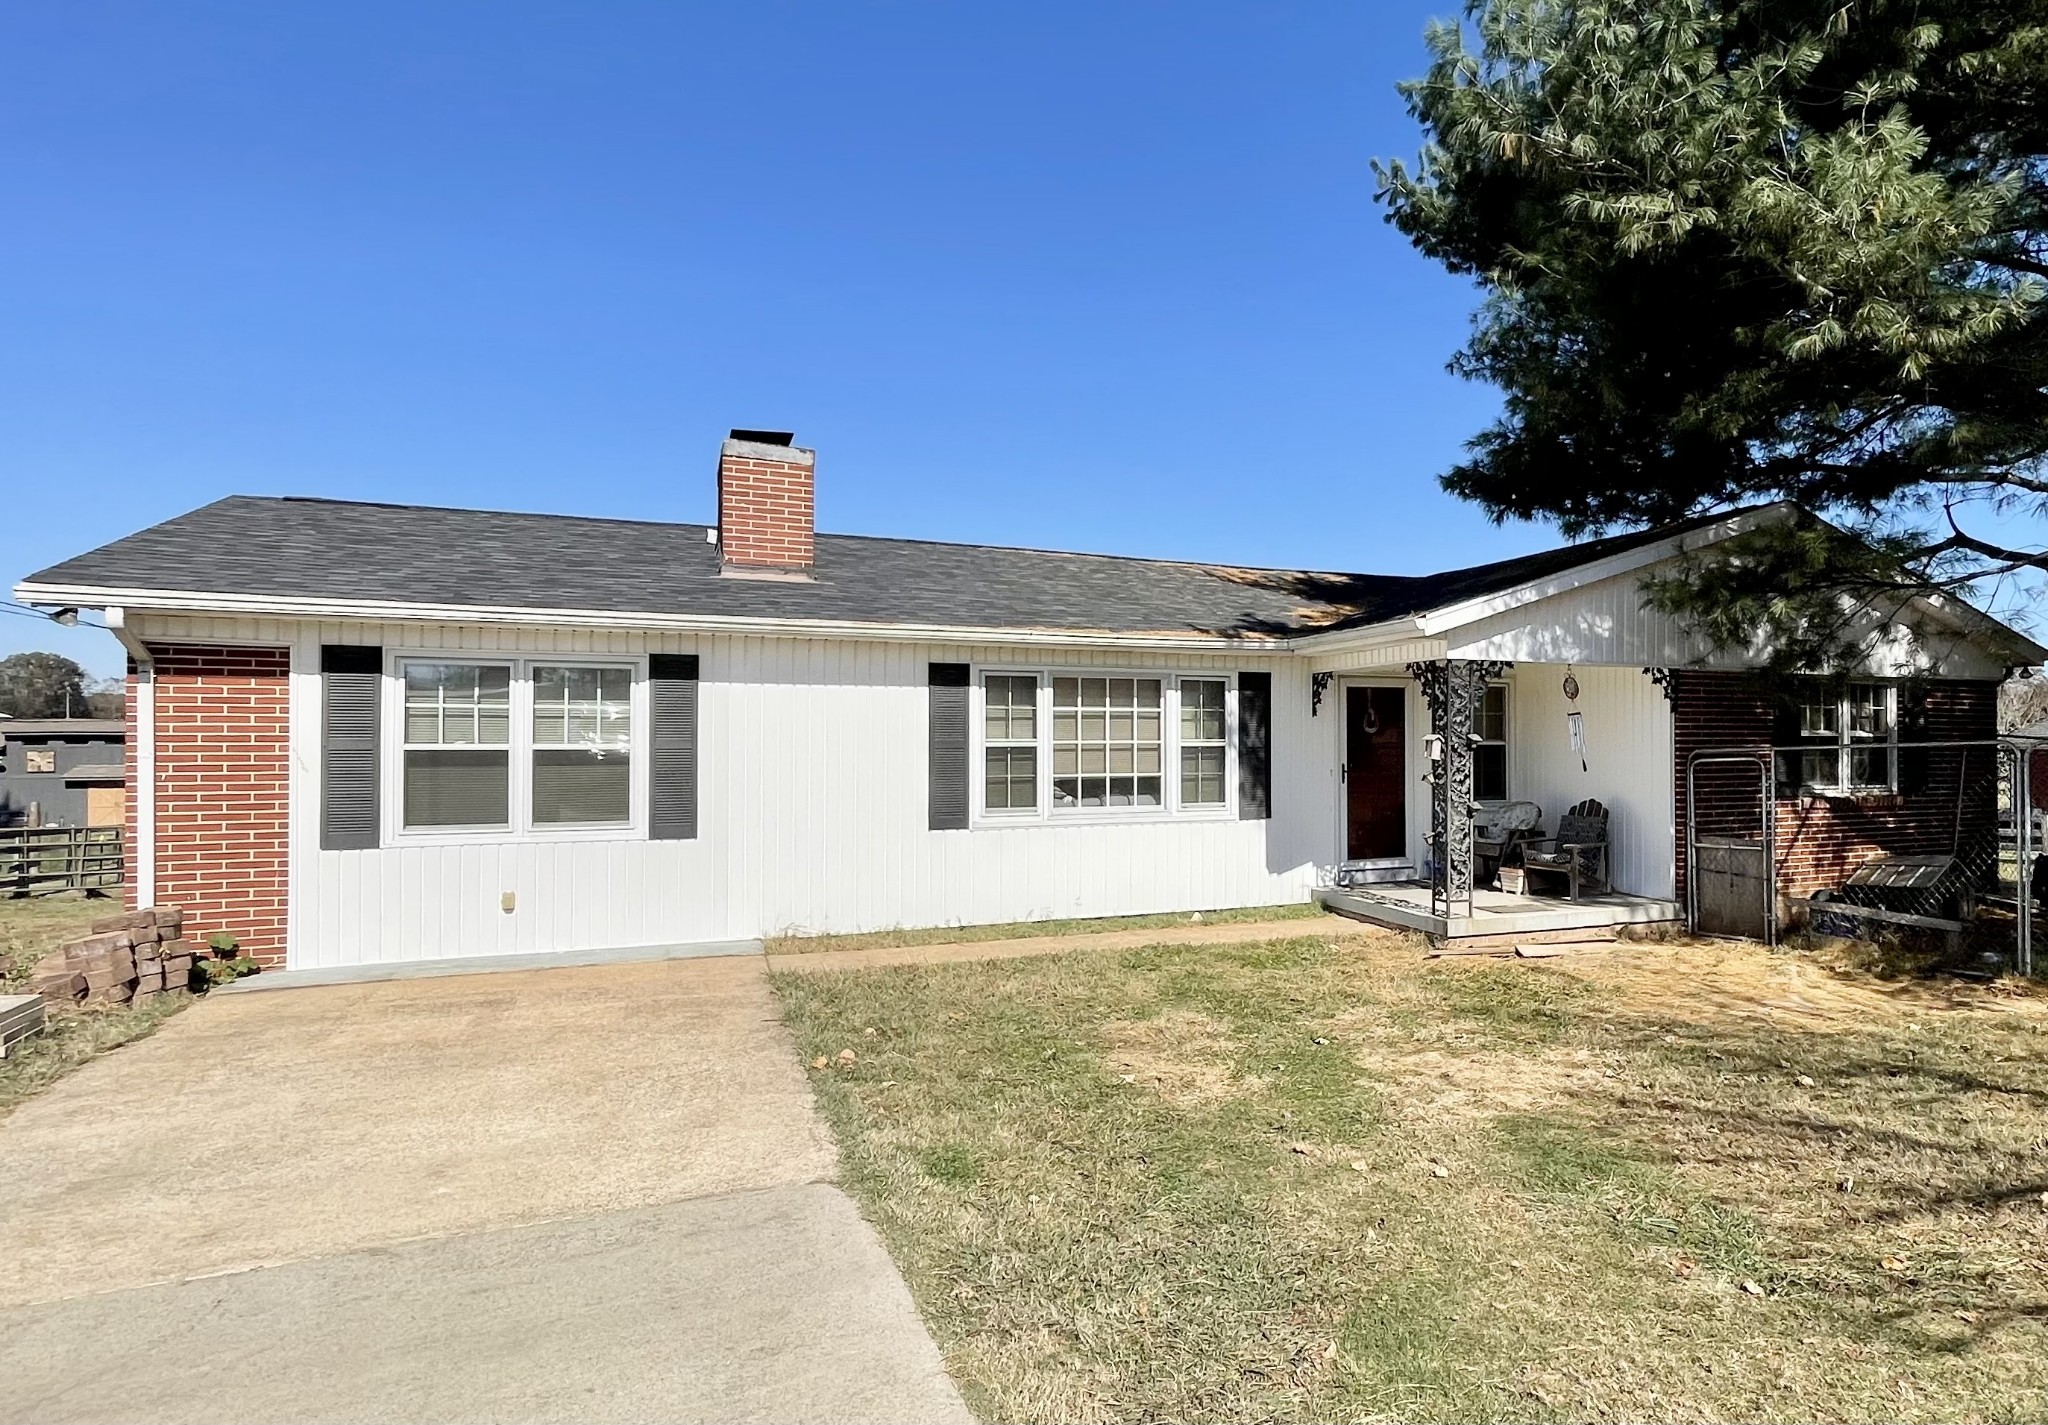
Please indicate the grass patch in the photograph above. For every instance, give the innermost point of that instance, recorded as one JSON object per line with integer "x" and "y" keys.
{"x": 1312, "y": 1179}
{"x": 31, "y": 927}
{"x": 1031, "y": 929}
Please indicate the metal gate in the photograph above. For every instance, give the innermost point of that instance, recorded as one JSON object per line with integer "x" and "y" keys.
{"x": 1729, "y": 858}
{"x": 1962, "y": 860}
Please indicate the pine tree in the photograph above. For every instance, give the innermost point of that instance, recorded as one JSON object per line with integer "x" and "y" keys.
{"x": 1746, "y": 250}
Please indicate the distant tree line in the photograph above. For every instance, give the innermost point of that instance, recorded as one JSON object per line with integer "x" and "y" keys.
{"x": 46, "y": 685}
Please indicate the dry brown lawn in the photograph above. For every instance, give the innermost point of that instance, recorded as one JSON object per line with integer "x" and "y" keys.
{"x": 1331, "y": 1179}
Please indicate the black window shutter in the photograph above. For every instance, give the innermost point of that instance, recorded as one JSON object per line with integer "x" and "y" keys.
{"x": 672, "y": 746}
{"x": 1916, "y": 768}
{"x": 949, "y": 746}
{"x": 1254, "y": 746}
{"x": 1785, "y": 736}
{"x": 351, "y": 682}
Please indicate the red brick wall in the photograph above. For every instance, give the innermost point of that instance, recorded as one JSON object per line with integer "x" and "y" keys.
{"x": 222, "y": 750}
{"x": 766, "y": 513}
{"x": 1820, "y": 839}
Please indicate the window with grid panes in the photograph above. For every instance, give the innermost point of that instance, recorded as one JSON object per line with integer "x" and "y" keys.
{"x": 457, "y": 744}
{"x": 582, "y": 745}
{"x": 1847, "y": 742}
{"x": 1204, "y": 755}
{"x": 1010, "y": 741}
{"x": 1108, "y": 743}
{"x": 1490, "y": 754}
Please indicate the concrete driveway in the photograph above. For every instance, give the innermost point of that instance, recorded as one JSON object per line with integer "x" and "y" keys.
{"x": 597, "y": 1193}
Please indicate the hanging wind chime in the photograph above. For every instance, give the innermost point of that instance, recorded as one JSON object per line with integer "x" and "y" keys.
{"x": 1574, "y": 720}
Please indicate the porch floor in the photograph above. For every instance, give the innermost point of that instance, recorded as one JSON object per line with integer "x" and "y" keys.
{"x": 1404, "y": 905}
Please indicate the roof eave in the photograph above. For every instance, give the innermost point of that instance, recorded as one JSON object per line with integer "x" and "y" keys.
{"x": 1452, "y": 616}
{"x": 1362, "y": 638}
{"x": 132, "y": 601}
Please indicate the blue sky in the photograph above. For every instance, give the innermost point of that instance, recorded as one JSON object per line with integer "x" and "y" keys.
{"x": 1093, "y": 276}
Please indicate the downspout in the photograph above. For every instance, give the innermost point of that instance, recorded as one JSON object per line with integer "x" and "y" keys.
{"x": 142, "y": 754}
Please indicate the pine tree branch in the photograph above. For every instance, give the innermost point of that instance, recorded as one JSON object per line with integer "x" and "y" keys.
{"x": 2014, "y": 559}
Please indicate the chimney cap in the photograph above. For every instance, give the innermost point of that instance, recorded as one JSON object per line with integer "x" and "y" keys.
{"x": 765, "y": 437}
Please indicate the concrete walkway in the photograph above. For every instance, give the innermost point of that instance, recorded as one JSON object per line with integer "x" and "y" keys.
{"x": 570, "y": 1194}
{"x": 1236, "y": 932}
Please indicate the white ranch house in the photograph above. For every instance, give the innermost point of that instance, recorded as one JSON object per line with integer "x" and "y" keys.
{"x": 366, "y": 733}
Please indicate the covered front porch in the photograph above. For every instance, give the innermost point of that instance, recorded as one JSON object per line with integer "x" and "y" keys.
{"x": 1430, "y": 752}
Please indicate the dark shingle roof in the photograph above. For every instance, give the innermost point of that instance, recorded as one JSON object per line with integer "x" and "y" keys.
{"x": 334, "y": 549}
{"x": 96, "y": 772}
{"x": 86, "y": 727}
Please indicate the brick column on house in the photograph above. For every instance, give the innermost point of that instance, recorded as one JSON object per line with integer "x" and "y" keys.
{"x": 1821, "y": 839}
{"x": 222, "y": 791}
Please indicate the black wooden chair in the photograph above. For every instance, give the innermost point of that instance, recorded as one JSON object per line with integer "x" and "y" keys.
{"x": 1578, "y": 852}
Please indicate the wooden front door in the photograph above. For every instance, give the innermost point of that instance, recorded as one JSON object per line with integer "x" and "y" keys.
{"x": 1375, "y": 774}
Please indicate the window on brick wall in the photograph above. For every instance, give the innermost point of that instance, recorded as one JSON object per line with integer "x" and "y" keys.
{"x": 508, "y": 746}
{"x": 1845, "y": 742}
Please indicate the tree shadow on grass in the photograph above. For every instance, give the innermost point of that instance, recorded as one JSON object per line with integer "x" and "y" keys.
{"x": 1899, "y": 1182}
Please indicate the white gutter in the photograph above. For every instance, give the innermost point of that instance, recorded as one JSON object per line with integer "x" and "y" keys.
{"x": 142, "y": 857}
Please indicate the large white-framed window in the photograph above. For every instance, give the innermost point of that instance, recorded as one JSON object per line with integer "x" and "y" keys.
{"x": 1108, "y": 743}
{"x": 511, "y": 747}
{"x": 1076, "y": 745}
{"x": 1848, "y": 742}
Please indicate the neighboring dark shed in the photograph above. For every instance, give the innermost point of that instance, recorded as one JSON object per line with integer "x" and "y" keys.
{"x": 62, "y": 772}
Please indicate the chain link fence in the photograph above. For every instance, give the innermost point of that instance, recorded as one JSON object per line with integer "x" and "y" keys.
{"x": 1938, "y": 846}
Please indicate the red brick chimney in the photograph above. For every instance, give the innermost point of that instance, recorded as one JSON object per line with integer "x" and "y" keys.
{"x": 766, "y": 514}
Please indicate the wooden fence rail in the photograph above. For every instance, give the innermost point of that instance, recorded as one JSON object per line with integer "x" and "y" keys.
{"x": 59, "y": 858}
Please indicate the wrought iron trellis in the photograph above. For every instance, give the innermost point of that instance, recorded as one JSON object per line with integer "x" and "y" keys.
{"x": 1452, "y": 687}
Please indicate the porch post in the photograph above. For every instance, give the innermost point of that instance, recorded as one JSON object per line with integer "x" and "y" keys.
{"x": 1452, "y": 687}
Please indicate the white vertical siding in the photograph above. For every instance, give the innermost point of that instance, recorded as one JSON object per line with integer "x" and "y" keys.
{"x": 812, "y": 784}
{"x": 1603, "y": 622}
{"x": 821, "y": 804}
{"x": 812, "y": 791}
{"x": 1627, "y": 762}
{"x": 1391, "y": 659}
{"x": 1606, "y": 622}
